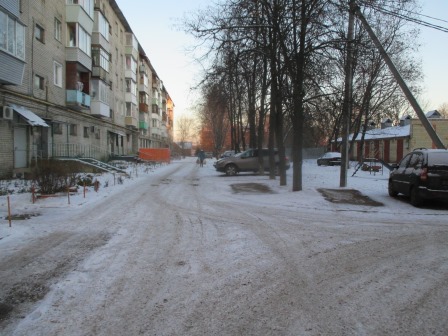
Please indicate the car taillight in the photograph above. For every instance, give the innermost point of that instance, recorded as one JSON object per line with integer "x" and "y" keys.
{"x": 424, "y": 174}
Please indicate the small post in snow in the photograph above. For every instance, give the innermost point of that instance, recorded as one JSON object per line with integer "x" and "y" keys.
{"x": 33, "y": 194}
{"x": 9, "y": 211}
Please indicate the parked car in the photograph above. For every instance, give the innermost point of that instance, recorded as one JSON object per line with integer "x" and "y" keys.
{"x": 422, "y": 174}
{"x": 246, "y": 161}
{"x": 330, "y": 159}
{"x": 228, "y": 153}
{"x": 208, "y": 155}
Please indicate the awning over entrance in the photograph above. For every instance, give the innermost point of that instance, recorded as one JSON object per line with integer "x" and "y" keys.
{"x": 31, "y": 118}
{"x": 120, "y": 133}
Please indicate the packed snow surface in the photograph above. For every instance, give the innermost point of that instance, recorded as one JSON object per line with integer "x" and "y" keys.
{"x": 184, "y": 250}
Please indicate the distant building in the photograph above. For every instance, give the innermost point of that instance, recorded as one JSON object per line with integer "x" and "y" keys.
{"x": 392, "y": 143}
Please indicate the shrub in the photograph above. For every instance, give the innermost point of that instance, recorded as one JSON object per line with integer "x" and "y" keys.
{"x": 52, "y": 176}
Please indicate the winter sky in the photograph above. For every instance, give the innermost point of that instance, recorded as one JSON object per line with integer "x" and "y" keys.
{"x": 153, "y": 23}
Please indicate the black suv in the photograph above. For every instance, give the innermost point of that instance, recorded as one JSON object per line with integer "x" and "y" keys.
{"x": 422, "y": 174}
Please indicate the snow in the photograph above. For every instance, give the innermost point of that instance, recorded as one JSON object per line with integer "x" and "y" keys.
{"x": 207, "y": 267}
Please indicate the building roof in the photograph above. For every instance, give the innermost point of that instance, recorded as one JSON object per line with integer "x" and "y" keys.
{"x": 433, "y": 114}
{"x": 385, "y": 133}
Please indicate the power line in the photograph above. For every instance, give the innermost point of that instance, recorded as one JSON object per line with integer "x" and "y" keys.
{"x": 409, "y": 18}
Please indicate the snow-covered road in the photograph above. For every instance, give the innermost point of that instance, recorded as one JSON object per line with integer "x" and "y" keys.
{"x": 179, "y": 252}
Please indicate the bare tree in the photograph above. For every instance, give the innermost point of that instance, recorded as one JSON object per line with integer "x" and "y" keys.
{"x": 213, "y": 115}
{"x": 184, "y": 130}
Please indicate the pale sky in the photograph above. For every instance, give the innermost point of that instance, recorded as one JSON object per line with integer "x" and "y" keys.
{"x": 153, "y": 24}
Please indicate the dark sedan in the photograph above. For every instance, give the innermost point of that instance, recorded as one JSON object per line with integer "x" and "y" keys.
{"x": 330, "y": 159}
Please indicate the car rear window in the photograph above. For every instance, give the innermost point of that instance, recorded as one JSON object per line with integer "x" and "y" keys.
{"x": 438, "y": 159}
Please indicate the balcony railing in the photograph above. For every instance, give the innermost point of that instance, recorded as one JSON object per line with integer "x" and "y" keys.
{"x": 143, "y": 125}
{"x": 75, "y": 150}
{"x": 131, "y": 121}
{"x": 78, "y": 98}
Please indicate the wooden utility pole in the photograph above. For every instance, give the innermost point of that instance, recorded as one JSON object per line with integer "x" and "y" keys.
{"x": 421, "y": 115}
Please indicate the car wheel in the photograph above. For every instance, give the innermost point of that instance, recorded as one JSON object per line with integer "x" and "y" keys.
{"x": 416, "y": 199}
{"x": 231, "y": 170}
{"x": 392, "y": 192}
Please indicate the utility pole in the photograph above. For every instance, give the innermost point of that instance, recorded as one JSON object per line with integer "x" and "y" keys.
{"x": 348, "y": 89}
{"x": 421, "y": 115}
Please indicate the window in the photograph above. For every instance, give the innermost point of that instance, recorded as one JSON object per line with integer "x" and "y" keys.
{"x": 131, "y": 86}
{"x": 12, "y": 36}
{"x": 131, "y": 64}
{"x": 57, "y": 72}
{"x": 103, "y": 26}
{"x": 78, "y": 37}
{"x": 39, "y": 33}
{"x": 57, "y": 128}
{"x": 73, "y": 129}
{"x": 57, "y": 29}
{"x": 416, "y": 160}
{"x": 100, "y": 58}
{"x": 405, "y": 161}
{"x": 84, "y": 41}
{"x": 71, "y": 35}
{"x": 101, "y": 90}
{"x": 39, "y": 82}
{"x": 86, "y": 132}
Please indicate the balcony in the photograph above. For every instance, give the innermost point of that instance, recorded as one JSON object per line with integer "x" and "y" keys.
{"x": 131, "y": 46}
{"x": 75, "y": 54}
{"x": 12, "y": 69}
{"x": 99, "y": 109}
{"x": 143, "y": 125}
{"x": 142, "y": 107}
{"x": 142, "y": 88}
{"x": 100, "y": 73}
{"x": 131, "y": 122}
{"x": 98, "y": 39}
{"x": 129, "y": 97}
{"x": 155, "y": 101}
{"x": 78, "y": 99}
{"x": 75, "y": 13}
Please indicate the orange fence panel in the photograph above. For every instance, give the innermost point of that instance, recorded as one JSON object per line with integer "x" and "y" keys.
{"x": 155, "y": 154}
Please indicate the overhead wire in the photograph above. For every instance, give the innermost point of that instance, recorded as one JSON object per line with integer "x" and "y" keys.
{"x": 407, "y": 17}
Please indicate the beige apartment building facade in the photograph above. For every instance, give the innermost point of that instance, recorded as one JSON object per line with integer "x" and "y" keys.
{"x": 75, "y": 83}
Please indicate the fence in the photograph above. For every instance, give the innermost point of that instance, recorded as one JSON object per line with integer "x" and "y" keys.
{"x": 73, "y": 150}
{"x": 155, "y": 154}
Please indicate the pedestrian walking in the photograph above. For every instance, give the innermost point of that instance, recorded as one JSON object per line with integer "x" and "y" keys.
{"x": 201, "y": 157}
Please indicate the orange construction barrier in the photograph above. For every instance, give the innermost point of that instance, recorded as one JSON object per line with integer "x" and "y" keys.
{"x": 157, "y": 155}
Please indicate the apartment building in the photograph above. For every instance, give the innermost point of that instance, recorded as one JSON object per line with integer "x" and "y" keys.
{"x": 75, "y": 82}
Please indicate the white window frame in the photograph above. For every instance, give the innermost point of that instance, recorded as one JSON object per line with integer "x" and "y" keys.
{"x": 57, "y": 29}
{"x": 57, "y": 73}
{"x": 12, "y": 36}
